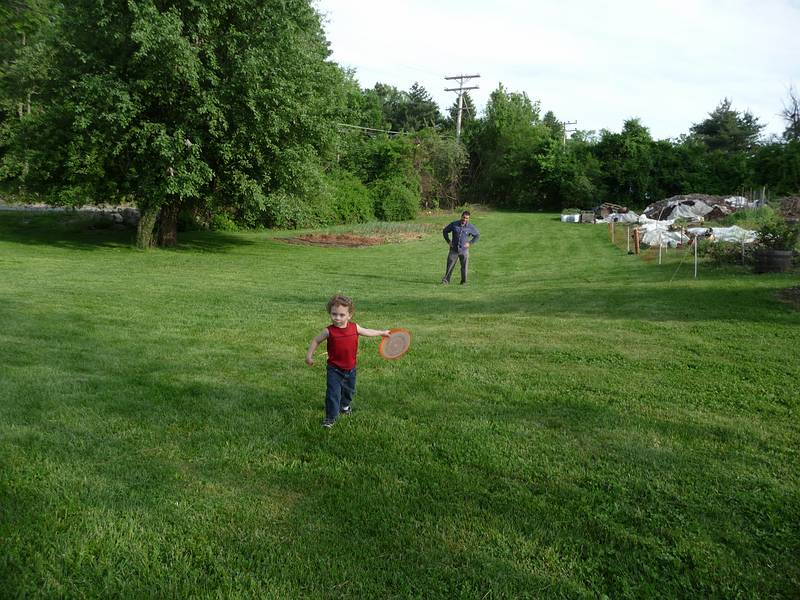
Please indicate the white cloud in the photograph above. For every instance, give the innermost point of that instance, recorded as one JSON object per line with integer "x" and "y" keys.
{"x": 668, "y": 63}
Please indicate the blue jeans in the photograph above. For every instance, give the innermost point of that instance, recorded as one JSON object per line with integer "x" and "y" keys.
{"x": 452, "y": 257}
{"x": 341, "y": 387}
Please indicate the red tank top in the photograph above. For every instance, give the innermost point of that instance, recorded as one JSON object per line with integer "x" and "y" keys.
{"x": 343, "y": 346}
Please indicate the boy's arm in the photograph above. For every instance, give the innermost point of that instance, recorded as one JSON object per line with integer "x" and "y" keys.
{"x": 313, "y": 346}
{"x": 371, "y": 332}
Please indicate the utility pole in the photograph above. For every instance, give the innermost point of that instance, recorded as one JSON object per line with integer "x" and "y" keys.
{"x": 460, "y": 89}
{"x": 565, "y": 123}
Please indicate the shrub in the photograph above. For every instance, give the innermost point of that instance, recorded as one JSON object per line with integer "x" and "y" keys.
{"x": 283, "y": 210}
{"x": 222, "y": 222}
{"x": 394, "y": 201}
{"x": 351, "y": 201}
{"x": 726, "y": 253}
{"x": 778, "y": 235}
{"x": 750, "y": 218}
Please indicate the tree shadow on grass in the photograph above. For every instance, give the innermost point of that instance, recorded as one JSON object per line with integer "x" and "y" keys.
{"x": 632, "y": 301}
{"x": 209, "y": 241}
{"x": 80, "y": 232}
{"x": 61, "y": 230}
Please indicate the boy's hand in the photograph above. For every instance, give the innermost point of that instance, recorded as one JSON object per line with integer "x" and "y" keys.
{"x": 385, "y": 333}
{"x": 309, "y": 360}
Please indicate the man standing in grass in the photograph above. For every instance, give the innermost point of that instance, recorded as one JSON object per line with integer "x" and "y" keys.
{"x": 464, "y": 234}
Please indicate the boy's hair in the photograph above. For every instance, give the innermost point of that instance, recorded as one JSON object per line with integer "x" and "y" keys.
{"x": 342, "y": 300}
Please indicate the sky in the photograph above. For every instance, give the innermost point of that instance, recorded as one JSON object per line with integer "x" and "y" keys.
{"x": 668, "y": 63}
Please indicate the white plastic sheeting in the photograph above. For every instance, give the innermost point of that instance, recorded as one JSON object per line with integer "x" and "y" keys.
{"x": 655, "y": 233}
{"x": 733, "y": 233}
{"x": 627, "y": 217}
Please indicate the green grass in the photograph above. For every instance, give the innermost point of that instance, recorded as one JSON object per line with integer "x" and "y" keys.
{"x": 576, "y": 422}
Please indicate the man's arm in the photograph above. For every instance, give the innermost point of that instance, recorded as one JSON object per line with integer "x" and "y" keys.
{"x": 446, "y": 231}
{"x": 475, "y": 235}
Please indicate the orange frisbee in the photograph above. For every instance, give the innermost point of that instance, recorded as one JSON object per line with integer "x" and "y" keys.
{"x": 395, "y": 344}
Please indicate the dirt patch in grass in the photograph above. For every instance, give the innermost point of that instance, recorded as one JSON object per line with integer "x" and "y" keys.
{"x": 790, "y": 296}
{"x": 351, "y": 240}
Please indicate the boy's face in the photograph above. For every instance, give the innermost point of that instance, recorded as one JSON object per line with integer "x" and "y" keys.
{"x": 340, "y": 315}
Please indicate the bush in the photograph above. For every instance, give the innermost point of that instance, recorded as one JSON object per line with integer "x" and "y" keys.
{"x": 726, "y": 253}
{"x": 750, "y": 218}
{"x": 351, "y": 201}
{"x": 778, "y": 235}
{"x": 394, "y": 201}
{"x": 222, "y": 222}
{"x": 283, "y": 210}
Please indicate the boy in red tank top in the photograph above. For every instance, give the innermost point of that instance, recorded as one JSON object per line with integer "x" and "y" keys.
{"x": 342, "y": 336}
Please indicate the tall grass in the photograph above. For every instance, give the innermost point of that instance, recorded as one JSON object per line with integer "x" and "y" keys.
{"x": 575, "y": 422}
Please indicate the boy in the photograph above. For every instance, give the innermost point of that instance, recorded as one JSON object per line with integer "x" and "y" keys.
{"x": 342, "y": 336}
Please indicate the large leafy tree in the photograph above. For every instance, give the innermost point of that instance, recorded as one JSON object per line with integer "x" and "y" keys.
{"x": 440, "y": 162}
{"x": 777, "y": 165}
{"x": 407, "y": 111}
{"x": 628, "y": 160}
{"x": 727, "y": 129}
{"x": 420, "y": 110}
{"x": 169, "y": 104}
{"x": 26, "y": 27}
{"x": 555, "y": 126}
{"x": 503, "y": 146}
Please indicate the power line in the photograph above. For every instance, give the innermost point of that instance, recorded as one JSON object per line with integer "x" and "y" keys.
{"x": 565, "y": 123}
{"x": 370, "y": 129}
{"x": 460, "y": 89}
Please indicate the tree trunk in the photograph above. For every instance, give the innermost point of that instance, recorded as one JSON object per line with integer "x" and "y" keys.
{"x": 168, "y": 225}
{"x": 145, "y": 229}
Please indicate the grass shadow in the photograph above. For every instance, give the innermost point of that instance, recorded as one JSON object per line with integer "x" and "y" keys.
{"x": 76, "y": 231}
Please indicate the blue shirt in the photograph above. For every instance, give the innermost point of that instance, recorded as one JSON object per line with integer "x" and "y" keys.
{"x": 461, "y": 235}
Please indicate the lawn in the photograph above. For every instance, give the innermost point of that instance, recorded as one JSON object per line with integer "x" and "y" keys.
{"x": 576, "y": 422}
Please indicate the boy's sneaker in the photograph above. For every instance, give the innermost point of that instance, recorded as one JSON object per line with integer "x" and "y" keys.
{"x": 346, "y": 410}
{"x": 328, "y": 423}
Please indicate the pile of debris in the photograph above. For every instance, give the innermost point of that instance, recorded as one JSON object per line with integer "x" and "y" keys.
{"x": 694, "y": 206}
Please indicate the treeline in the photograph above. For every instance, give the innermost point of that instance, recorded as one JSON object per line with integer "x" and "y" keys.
{"x": 231, "y": 113}
{"x": 520, "y": 160}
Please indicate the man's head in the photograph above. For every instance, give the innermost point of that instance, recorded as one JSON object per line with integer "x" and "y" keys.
{"x": 465, "y": 217}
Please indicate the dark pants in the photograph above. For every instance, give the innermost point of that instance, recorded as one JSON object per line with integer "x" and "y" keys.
{"x": 452, "y": 257}
{"x": 341, "y": 387}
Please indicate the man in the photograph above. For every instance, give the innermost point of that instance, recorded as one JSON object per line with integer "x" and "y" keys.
{"x": 463, "y": 236}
